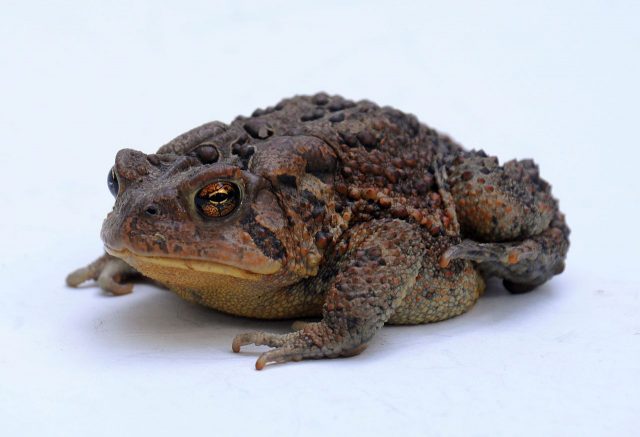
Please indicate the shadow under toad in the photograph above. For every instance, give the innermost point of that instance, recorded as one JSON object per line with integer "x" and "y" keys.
{"x": 155, "y": 320}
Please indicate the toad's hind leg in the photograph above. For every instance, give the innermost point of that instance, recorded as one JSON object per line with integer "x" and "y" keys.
{"x": 513, "y": 227}
{"x": 440, "y": 293}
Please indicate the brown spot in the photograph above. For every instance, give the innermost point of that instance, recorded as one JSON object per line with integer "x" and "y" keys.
{"x": 390, "y": 175}
{"x": 434, "y": 230}
{"x": 370, "y": 194}
{"x": 376, "y": 169}
{"x": 385, "y": 202}
{"x": 399, "y": 211}
{"x": 354, "y": 193}
{"x": 365, "y": 168}
{"x": 513, "y": 258}
{"x": 323, "y": 239}
{"x": 416, "y": 215}
{"x": 341, "y": 188}
{"x": 411, "y": 162}
{"x": 397, "y": 162}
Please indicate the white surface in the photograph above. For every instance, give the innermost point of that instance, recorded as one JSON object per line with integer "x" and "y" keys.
{"x": 81, "y": 80}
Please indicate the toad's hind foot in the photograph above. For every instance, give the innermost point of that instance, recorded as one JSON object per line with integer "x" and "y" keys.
{"x": 315, "y": 340}
{"x": 523, "y": 265}
{"x": 109, "y": 272}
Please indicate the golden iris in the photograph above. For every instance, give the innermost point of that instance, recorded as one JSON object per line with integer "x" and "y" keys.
{"x": 218, "y": 199}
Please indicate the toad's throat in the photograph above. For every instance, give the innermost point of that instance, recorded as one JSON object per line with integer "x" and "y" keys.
{"x": 201, "y": 266}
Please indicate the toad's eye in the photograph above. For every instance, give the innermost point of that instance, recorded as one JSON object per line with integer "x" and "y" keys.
{"x": 218, "y": 199}
{"x": 112, "y": 182}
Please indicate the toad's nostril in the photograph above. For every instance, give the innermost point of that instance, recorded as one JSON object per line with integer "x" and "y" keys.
{"x": 152, "y": 210}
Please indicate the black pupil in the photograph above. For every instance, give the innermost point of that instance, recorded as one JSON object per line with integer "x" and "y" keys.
{"x": 112, "y": 183}
{"x": 219, "y": 197}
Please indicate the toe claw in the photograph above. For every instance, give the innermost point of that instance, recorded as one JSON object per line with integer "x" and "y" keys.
{"x": 239, "y": 341}
{"x": 245, "y": 339}
{"x": 293, "y": 346}
{"x": 261, "y": 362}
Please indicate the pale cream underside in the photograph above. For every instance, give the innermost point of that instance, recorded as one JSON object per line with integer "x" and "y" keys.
{"x": 225, "y": 288}
{"x": 187, "y": 264}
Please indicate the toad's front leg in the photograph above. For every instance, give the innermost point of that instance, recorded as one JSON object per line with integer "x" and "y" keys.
{"x": 111, "y": 273}
{"x": 378, "y": 265}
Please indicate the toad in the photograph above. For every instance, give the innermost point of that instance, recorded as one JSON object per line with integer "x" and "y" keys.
{"x": 324, "y": 207}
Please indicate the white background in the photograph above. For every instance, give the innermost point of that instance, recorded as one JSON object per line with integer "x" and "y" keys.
{"x": 557, "y": 81}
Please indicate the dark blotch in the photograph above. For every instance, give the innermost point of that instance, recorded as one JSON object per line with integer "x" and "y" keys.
{"x": 288, "y": 180}
{"x": 352, "y": 323}
{"x": 266, "y": 240}
{"x": 317, "y": 211}
{"x": 312, "y": 199}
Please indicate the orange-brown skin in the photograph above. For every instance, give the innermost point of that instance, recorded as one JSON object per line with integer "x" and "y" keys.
{"x": 320, "y": 206}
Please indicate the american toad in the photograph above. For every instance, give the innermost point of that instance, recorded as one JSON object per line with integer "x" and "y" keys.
{"x": 321, "y": 206}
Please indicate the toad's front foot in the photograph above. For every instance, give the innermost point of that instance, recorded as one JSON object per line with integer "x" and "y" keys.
{"x": 110, "y": 273}
{"x": 315, "y": 340}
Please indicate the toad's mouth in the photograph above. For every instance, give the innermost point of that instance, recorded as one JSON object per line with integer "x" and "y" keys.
{"x": 209, "y": 267}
